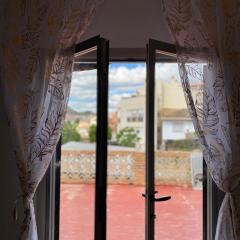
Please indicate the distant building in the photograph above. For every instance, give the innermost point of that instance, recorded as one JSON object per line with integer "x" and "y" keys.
{"x": 84, "y": 125}
{"x": 175, "y": 124}
{"x": 131, "y": 113}
{"x": 93, "y": 120}
{"x": 172, "y": 119}
{"x": 113, "y": 123}
{"x": 82, "y": 129}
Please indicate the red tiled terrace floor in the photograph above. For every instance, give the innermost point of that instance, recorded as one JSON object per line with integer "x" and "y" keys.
{"x": 178, "y": 219}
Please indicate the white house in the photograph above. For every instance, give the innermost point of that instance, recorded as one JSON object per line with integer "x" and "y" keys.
{"x": 176, "y": 124}
{"x": 172, "y": 119}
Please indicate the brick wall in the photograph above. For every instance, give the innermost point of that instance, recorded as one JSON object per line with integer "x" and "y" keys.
{"x": 125, "y": 167}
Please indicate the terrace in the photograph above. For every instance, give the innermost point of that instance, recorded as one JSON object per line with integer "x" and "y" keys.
{"x": 126, "y": 213}
{"x": 174, "y": 175}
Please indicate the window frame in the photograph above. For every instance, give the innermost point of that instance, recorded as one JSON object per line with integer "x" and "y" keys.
{"x": 168, "y": 50}
{"x": 102, "y": 47}
{"x": 212, "y": 196}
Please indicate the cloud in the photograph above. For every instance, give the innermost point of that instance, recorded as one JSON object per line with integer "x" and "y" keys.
{"x": 127, "y": 76}
{"x": 124, "y": 80}
{"x": 115, "y": 99}
{"x": 165, "y": 71}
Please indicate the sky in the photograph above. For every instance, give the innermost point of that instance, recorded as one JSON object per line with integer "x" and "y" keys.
{"x": 124, "y": 80}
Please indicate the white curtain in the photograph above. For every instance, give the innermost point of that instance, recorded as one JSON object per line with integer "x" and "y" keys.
{"x": 35, "y": 74}
{"x": 207, "y": 35}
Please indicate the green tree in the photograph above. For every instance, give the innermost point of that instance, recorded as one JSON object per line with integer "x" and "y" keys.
{"x": 69, "y": 132}
{"x": 109, "y": 137}
{"x": 127, "y": 137}
{"x": 92, "y": 133}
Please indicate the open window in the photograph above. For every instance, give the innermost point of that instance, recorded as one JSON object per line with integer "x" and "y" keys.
{"x": 92, "y": 57}
{"x": 166, "y": 109}
{"x": 157, "y": 53}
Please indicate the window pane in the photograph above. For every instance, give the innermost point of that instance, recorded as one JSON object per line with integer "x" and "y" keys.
{"x": 178, "y": 161}
{"x": 126, "y": 156}
{"x": 140, "y": 115}
{"x": 79, "y": 153}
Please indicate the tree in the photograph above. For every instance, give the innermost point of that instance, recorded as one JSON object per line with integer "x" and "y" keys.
{"x": 109, "y": 137}
{"x": 127, "y": 137}
{"x": 69, "y": 132}
{"x": 92, "y": 133}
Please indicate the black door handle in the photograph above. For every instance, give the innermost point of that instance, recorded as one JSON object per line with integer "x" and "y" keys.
{"x": 160, "y": 199}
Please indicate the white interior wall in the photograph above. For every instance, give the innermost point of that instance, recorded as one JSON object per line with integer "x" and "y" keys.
{"x": 129, "y": 23}
{"x": 10, "y": 189}
{"x": 9, "y": 184}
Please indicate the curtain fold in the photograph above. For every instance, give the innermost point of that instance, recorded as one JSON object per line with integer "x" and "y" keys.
{"x": 35, "y": 75}
{"x": 207, "y": 36}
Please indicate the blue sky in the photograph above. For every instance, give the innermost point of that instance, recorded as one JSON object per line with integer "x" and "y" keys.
{"x": 124, "y": 80}
{"x": 127, "y": 65}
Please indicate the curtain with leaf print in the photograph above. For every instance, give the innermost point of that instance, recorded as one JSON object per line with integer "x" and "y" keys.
{"x": 35, "y": 74}
{"x": 207, "y": 36}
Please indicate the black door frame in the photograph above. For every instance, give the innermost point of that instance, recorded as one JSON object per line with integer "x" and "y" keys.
{"x": 101, "y": 188}
{"x": 152, "y": 47}
{"x": 101, "y": 45}
{"x": 168, "y": 50}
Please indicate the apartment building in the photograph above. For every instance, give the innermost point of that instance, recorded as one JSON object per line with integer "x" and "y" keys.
{"x": 172, "y": 119}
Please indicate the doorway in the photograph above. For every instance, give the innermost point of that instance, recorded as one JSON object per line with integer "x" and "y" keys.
{"x": 143, "y": 156}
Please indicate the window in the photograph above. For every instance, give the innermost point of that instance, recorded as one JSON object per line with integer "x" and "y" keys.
{"x": 123, "y": 170}
{"x": 140, "y": 115}
{"x": 129, "y": 116}
{"x": 89, "y": 161}
{"x": 135, "y": 115}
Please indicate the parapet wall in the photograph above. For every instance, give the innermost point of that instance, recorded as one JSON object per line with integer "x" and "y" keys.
{"x": 128, "y": 167}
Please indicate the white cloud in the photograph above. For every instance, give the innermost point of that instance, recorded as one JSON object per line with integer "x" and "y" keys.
{"x": 114, "y": 100}
{"x": 124, "y": 75}
{"x": 165, "y": 71}
{"x": 123, "y": 82}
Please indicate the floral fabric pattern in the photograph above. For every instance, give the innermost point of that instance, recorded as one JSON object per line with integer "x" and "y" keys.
{"x": 35, "y": 75}
{"x": 207, "y": 36}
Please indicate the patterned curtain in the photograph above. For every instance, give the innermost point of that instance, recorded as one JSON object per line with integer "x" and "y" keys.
{"x": 35, "y": 75}
{"x": 207, "y": 36}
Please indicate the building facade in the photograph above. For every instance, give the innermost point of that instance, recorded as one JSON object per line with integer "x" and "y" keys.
{"x": 131, "y": 113}
{"x": 172, "y": 119}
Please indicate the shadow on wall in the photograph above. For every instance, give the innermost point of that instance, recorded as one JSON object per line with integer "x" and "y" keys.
{"x": 9, "y": 184}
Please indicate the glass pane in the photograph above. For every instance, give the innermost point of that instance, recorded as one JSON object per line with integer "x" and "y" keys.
{"x": 178, "y": 159}
{"x": 126, "y": 152}
{"x": 79, "y": 152}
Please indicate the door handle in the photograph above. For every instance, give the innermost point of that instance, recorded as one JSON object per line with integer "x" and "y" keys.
{"x": 160, "y": 199}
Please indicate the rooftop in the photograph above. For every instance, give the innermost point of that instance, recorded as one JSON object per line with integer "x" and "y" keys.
{"x": 172, "y": 113}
